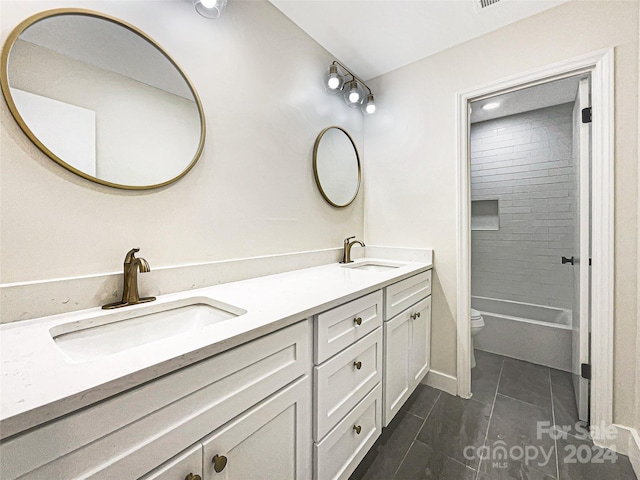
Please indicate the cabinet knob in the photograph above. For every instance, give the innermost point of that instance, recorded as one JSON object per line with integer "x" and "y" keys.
{"x": 358, "y": 429}
{"x": 414, "y": 315}
{"x": 191, "y": 476}
{"x": 358, "y": 365}
{"x": 219, "y": 462}
{"x": 357, "y": 320}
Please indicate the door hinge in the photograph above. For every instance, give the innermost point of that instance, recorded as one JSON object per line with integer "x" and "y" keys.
{"x": 585, "y": 371}
{"x": 586, "y": 115}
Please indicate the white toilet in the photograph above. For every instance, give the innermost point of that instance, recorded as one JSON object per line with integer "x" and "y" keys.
{"x": 477, "y": 324}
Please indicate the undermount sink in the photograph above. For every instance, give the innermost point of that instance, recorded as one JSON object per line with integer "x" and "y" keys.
{"x": 103, "y": 335}
{"x": 373, "y": 266}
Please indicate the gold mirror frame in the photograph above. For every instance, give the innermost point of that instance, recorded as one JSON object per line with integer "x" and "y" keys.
{"x": 4, "y": 84}
{"x": 315, "y": 166}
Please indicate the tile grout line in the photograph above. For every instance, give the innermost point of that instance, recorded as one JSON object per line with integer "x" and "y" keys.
{"x": 554, "y": 429}
{"x": 493, "y": 405}
{"x": 419, "y": 430}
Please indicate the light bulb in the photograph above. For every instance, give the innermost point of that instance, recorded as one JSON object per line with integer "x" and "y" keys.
{"x": 354, "y": 96}
{"x": 369, "y": 106}
{"x": 208, "y": 3}
{"x": 334, "y": 82}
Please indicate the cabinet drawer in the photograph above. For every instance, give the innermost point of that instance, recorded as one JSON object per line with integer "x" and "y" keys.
{"x": 134, "y": 432}
{"x": 336, "y": 329}
{"x": 402, "y": 295}
{"x": 337, "y": 456}
{"x": 179, "y": 468}
{"x": 340, "y": 383}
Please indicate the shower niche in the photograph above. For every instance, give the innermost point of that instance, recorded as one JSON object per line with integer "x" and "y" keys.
{"x": 485, "y": 215}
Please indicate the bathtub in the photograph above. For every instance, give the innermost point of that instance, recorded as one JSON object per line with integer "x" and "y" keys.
{"x": 534, "y": 333}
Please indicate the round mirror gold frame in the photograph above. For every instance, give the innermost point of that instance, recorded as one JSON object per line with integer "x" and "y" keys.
{"x": 4, "y": 84}
{"x": 315, "y": 167}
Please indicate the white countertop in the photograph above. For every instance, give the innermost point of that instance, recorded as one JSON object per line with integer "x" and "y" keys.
{"x": 39, "y": 383}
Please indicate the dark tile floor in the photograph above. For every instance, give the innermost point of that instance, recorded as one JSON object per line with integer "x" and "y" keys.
{"x": 502, "y": 433}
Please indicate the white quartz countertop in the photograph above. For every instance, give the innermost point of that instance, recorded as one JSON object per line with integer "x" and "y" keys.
{"x": 40, "y": 383}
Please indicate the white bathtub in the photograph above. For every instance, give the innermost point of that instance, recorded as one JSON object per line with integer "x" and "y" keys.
{"x": 534, "y": 333}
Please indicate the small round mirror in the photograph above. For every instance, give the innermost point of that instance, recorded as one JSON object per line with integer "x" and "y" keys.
{"x": 102, "y": 99}
{"x": 336, "y": 166}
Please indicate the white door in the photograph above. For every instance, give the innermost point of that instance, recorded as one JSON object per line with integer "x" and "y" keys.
{"x": 420, "y": 341}
{"x": 397, "y": 383}
{"x": 581, "y": 312}
{"x": 272, "y": 441}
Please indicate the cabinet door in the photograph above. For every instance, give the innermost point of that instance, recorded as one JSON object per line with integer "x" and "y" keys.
{"x": 397, "y": 382}
{"x": 420, "y": 341}
{"x": 272, "y": 441}
{"x": 187, "y": 465}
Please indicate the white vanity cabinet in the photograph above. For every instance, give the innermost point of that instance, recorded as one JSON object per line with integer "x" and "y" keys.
{"x": 303, "y": 402}
{"x": 240, "y": 395}
{"x": 407, "y": 338}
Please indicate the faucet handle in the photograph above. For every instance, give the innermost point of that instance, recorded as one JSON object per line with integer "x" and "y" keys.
{"x": 346, "y": 240}
{"x": 131, "y": 254}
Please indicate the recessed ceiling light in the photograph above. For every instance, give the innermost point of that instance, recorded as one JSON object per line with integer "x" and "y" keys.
{"x": 490, "y": 106}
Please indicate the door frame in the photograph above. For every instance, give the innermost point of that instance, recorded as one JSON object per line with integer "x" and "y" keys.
{"x": 600, "y": 65}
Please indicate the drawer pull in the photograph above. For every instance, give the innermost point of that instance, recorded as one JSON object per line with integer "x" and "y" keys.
{"x": 357, "y": 320}
{"x": 219, "y": 462}
{"x": 191, "y": 476}
{"x": 358, "y": 365}
{"x": 415, "y": 315}
{"x": 358, "y": 429}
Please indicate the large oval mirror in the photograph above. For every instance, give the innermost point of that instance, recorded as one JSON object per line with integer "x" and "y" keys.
{"x": 336, "y": 166}
{"x": 102, "y": 99}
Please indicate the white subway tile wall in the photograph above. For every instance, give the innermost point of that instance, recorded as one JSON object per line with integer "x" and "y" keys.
{"x": 526, "y": 162}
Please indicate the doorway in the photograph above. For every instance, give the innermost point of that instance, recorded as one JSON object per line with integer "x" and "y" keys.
{"x": 599, "y": 66}
{"x": 530, "y": 241}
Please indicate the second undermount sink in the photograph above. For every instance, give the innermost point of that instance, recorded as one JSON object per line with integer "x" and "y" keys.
{"x": 373, "y": 266}
{"x": 102, "y": 335}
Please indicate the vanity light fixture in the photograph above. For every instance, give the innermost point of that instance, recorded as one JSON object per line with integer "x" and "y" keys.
{"x": 339, "y": 79}
{"x": 209, "y": 8}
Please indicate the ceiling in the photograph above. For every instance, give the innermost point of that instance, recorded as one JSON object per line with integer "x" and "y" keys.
{"x": 544, "y": 95}
{"x": 373, "y": 37}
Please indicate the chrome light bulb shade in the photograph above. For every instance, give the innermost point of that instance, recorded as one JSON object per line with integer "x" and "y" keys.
{"x": 369, "y": 106}
{"x": 353, "y": 94}
{"x": 209, "y": 8}
{"x": 333, "y": 81}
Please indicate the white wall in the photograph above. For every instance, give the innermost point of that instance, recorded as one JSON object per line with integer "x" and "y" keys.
{"x": 252, "y": 192}
{"x": 525, "y": 161}
{"x": 411, "y": 158}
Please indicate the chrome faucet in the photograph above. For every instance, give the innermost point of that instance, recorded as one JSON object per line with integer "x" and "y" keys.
{"x": 346, "y": 250}
{"x": 130, "y": 295}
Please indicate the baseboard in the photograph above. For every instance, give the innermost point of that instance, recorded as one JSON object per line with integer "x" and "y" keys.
{"x": 441, "y": 381}
{"x": 634, "y": 451}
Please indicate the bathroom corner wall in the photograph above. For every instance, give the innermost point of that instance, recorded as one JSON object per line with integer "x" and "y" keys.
{"x": 525, "y": 161}
{"x": 251, "y": 194}
{"x": 411, "y": 156}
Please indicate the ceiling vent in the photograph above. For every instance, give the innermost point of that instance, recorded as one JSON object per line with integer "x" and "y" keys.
{"x": 480, "y": 5}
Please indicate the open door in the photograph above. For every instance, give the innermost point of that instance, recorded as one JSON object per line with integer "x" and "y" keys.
{"x": 581, "y": 311}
